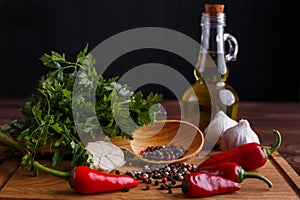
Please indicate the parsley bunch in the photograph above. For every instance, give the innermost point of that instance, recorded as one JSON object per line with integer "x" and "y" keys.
{"x": 48, "y": 122}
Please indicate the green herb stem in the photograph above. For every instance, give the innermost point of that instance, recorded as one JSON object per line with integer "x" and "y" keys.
{"x": 7, "y": 141}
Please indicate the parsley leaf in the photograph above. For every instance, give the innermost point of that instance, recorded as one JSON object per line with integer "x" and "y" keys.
{"x": 48, "y": 123}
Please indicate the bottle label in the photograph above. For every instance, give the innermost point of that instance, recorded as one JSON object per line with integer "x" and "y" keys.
{"x": 227, "y": 97}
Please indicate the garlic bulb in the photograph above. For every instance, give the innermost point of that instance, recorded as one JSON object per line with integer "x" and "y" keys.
{"x": 217, "y": 126}
{"x": 238, "y": 135}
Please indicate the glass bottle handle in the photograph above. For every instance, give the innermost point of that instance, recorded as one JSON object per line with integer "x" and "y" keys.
{"x": 233, "y": 47}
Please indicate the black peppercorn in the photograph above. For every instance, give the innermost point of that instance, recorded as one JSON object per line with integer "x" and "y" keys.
{"x": 156, "y": 183}
{"x": 170, "y": 152}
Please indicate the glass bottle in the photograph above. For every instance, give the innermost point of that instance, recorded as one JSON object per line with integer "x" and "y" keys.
{"x": 210, "y": 93}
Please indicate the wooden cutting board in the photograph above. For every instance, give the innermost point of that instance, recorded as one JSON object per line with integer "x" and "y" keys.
{"x": 17, "y": 183}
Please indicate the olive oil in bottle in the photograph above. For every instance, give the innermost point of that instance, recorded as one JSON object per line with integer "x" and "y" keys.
{"x": 210, "y": 93}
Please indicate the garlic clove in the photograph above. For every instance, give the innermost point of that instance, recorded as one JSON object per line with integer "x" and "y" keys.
{"x": 217, "y": 126}
{"x": 238, "y": 135}
{"x": 106, "y": 156}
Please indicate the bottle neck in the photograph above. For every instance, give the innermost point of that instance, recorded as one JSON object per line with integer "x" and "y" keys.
{"x": 211, "y": 60}
{"x": 212, "y": 38}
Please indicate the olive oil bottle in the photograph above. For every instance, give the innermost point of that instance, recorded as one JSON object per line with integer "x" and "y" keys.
{"x": 210, "y": 93}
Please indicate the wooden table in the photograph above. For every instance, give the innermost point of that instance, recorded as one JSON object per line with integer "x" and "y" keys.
{"x": 283, "y": 168}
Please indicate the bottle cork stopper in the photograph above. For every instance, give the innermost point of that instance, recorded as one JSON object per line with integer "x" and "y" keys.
{"x": 214, "y": 9}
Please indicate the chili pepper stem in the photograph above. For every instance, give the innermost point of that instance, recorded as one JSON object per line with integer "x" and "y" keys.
{"x": 243, "y": 175}
{"x": 248, "y": 175}
{"x": 60, "y": 174}
{"x": 277, "y": 144}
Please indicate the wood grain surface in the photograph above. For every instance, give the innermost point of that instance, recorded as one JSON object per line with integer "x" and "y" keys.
{"x": 22, "y": 185}
{"x": 283, "y": 167}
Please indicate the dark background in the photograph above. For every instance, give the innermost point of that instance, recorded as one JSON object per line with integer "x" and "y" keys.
{"x": 29, "y": 28}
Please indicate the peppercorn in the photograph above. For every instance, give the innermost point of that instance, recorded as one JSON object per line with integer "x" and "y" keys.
{"x": 170, "y": 152}
{"x": 156, "y": 183}
{"x": 147, "y": 187}
{"x": 168, "y": 175}
{"x": 145, "y": 180}
{"x": 149, "y": 181}
{"x": 164, "y": 179}
{"x": 173, "y": 182}
{"x": 163, "y": 186}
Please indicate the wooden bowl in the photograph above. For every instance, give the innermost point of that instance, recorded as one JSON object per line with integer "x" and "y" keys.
{"x": 164, "y": 133}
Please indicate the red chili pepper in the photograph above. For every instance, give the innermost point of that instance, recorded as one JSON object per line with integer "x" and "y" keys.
{"x": 198, "y": 184}
{"x": 232, "y": 171}
{"x": 86, "y": 180}
{"x": 249, "y": 156}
